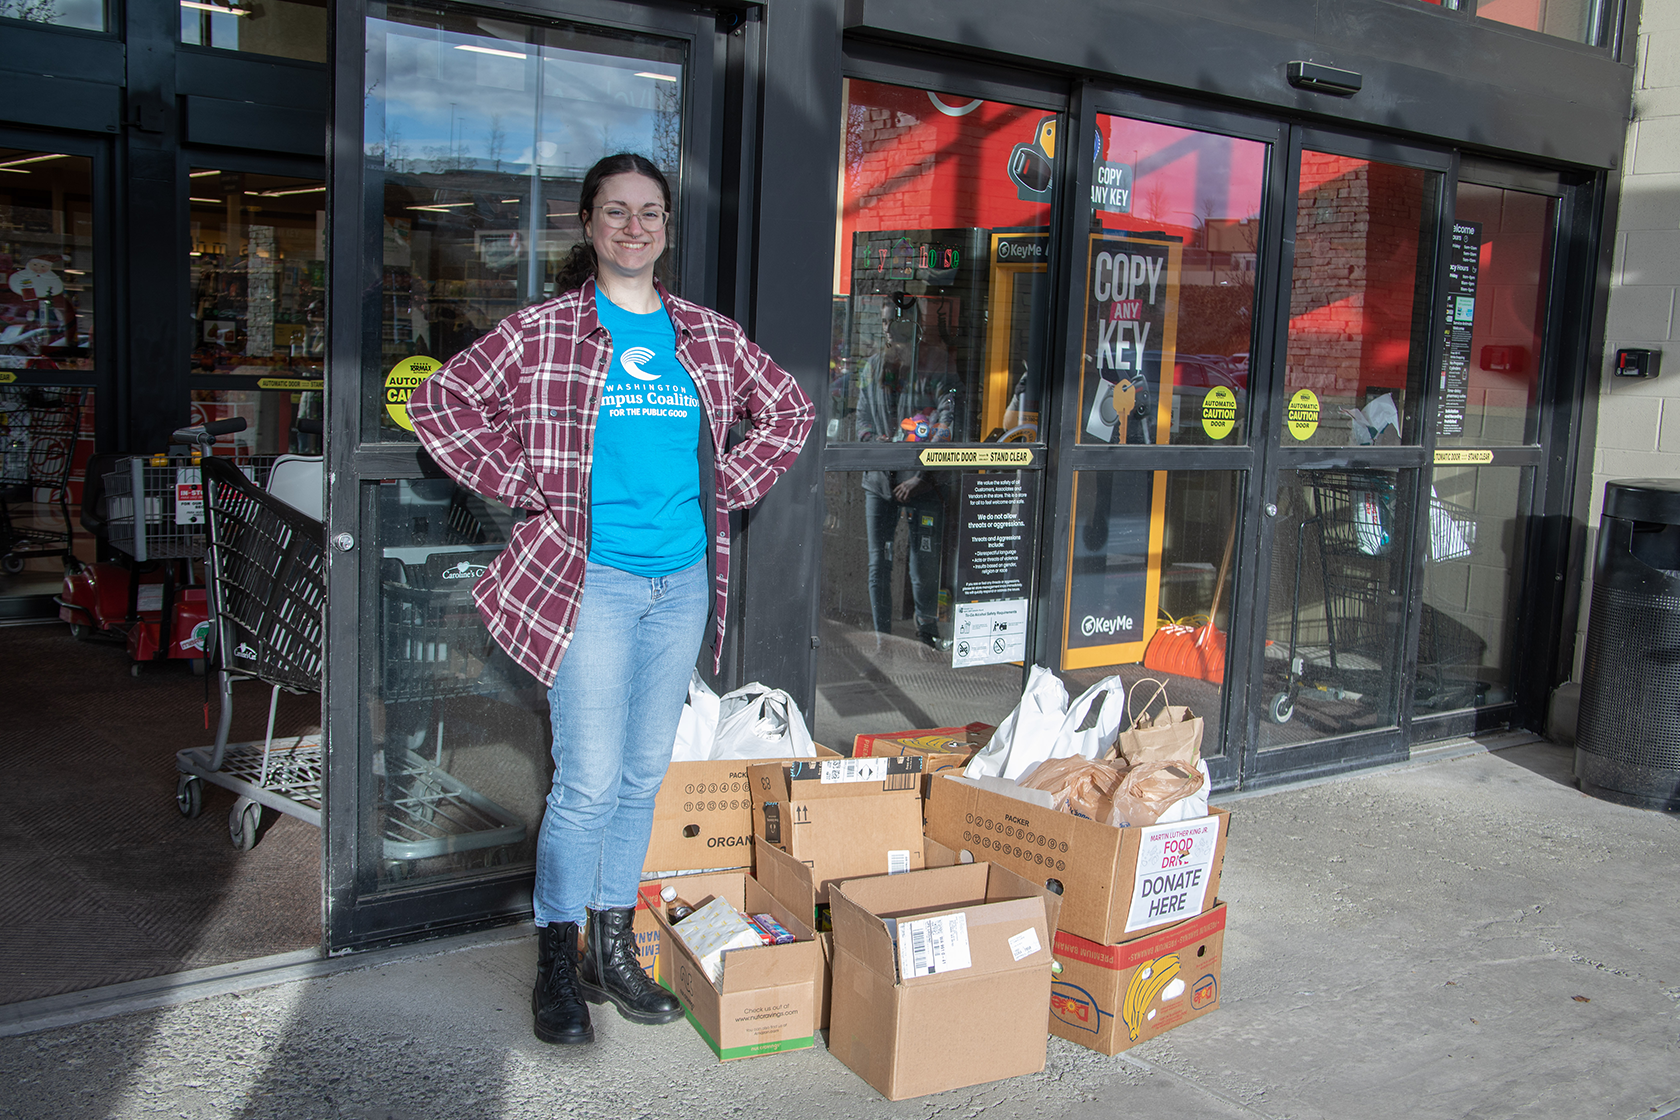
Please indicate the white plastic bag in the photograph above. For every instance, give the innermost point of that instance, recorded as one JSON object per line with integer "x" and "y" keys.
{"x": 698, "y": 726}
{"x": 759, "y": 722}
{"x": 1093, "y": 720}
{"x": 1189, "y": 808}
{"x": 1026, "y": 736}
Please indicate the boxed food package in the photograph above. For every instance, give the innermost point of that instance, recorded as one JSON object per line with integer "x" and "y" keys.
{"x": 762, "y": 1000}
{"x": 958, "y": 956}
{"x": 843, "y": 818}
{"x": 1111, "y": 997}
{"x": 702, "y": 818}
{"x": 1115, "y": 882}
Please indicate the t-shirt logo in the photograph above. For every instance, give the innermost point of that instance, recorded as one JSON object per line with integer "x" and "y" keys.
{"x": 632, "y": 360}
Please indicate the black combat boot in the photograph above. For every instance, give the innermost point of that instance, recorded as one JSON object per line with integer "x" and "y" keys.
{"x": 561, "y": 1015}
{"x": 610, "y": 971}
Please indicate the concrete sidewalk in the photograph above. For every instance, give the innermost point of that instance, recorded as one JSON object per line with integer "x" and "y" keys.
{"x": 1462, "y": 937}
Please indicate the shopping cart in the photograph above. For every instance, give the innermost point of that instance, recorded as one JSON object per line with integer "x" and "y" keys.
{"x": 267, "y": 573}
{"x": 155, "y": 518}
{"x": 1352, "y": 525}
{"x": 38, "y": 432}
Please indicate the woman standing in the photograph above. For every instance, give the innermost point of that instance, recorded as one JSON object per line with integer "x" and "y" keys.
{"x": 605, "y": 411}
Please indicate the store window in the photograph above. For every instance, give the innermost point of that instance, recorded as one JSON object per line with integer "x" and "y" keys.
{"x": 1155, "y": 547}
{"x": 1336, "y": 606}
{"x": 1359, "y": 312}
{"x": 1472, "y": 574}
{"x": 1170, "y": 284}
{"x": 1496, "y": 311}
{"x": 479, "y": 132}
{"x": 281, "y": 28}
{"x": 941, "y": 323}
{"x": 257, "y": 262}
{"x": 482, "y": 131}
{"x": 1580, "y": 20}
{"x": 46, "y": 261}
{"x": 86, "y": 14}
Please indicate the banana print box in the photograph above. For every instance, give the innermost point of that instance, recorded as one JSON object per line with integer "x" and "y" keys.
{"x": 1111, "y": 997}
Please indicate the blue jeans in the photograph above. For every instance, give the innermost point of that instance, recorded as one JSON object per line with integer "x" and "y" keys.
{"x": 927, "y": 516}
{"x": 615, "y": 704}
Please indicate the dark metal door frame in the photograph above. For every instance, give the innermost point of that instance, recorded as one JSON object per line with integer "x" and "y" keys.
{"x": 357, "y": 915}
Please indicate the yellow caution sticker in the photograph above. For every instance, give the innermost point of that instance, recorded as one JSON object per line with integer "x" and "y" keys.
{"x": 1452, "y": 456}
{"x": 1303, "y": 414}
{"x": 976, "y": 457}
{"x": 1219, "y": 412}
{"x": 7, "y": 377}
{"x": 400, "y": 384}
{"x": 295, "y": 384}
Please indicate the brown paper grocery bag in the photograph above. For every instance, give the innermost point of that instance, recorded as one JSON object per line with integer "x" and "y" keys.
{"x": 1174, "y": 734}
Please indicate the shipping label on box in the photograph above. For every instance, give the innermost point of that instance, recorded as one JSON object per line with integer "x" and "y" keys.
{"x": 911, "y": 1014}
{"x": 1096, "y": 867}
{"x": 1111, "y": 997}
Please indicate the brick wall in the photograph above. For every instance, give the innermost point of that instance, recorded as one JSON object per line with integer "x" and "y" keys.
{"x": 1639, "y": 421}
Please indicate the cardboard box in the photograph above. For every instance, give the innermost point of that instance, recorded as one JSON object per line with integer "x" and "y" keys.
{"x": 702, "y": 818}
{"x": 911, "y": 1019}
{"x": 1111, "y": 997}
{"x": 764, "y": 1002}
{"x": 844, "y": 818}
{"x": 1115, "y": 882}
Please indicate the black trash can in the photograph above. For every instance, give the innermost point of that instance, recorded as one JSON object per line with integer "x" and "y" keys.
{"x": 1627, "y": 739}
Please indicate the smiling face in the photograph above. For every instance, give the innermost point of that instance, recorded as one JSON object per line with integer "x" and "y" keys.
{"x": 629, "y": 253}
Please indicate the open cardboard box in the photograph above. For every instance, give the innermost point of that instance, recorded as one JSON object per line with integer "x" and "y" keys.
{"x": 844, "y": 819}
{"x": 928, "y": 1018}
{"x": 765, "y": 1001}
{"x": 1111, "y": 997}
{"x": 702, "y": 817}
{"x": 1115, "y": 882}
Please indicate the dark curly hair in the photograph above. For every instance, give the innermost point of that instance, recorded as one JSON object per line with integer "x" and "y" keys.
{"x": 579, "y": 264}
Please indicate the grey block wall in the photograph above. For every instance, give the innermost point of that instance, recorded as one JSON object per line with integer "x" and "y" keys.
{"x": 1639, "y": 421}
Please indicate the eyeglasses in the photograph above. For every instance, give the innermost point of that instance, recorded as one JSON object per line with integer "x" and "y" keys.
{"x": 617, "y": 217}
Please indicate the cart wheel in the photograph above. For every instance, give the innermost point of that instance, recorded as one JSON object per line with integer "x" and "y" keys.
{"x": 134, "y": 669}
{"x": 13, "y": 564}
{"x": 81, "y": 632}
{"x": 189, "y": 795}
{"x": 1282, "y": 708}
{"x": 243, "y": 822}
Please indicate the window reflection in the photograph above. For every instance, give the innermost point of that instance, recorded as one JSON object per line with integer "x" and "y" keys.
{"x": 1471, "y": 576}
{"x": 1579, "y": 20}
{"x": 86, "y": 14}
{"x": 46, "y": 260}
{"x": 940, "y": 288}
{"x": 282, "y": 28}
{"x": 1336, "y": 607}
{"x": 258, "y": 274}
{"x": 1358, "y": 310}
{"x": 483, "y": 130}
{"x": 1169, "y": 277}
{"x": 460, "y": 757}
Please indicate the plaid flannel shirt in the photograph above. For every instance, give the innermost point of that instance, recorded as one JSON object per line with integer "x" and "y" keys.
{"x": 513, "y": 418}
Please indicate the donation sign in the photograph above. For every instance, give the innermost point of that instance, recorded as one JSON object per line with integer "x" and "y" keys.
{"x": 1174, "y": 862}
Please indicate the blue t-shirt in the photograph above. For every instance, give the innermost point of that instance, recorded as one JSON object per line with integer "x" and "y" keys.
{"x": 645, "y": 515}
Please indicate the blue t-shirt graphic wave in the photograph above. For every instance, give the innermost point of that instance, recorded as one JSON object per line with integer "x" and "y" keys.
{"x": 632, "y": 360}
